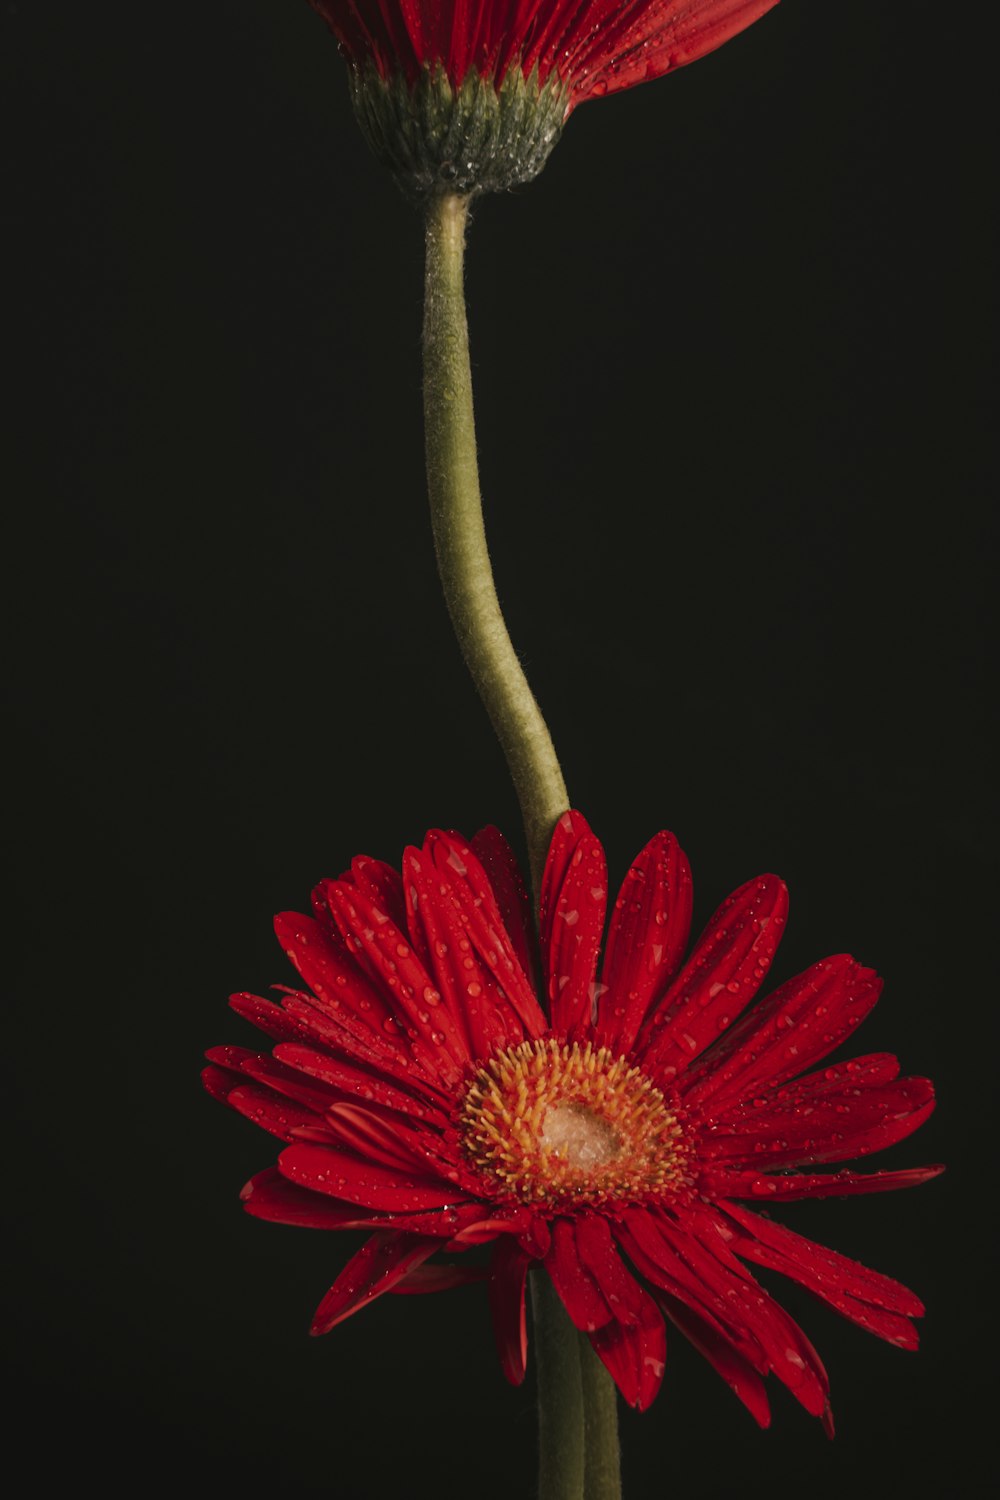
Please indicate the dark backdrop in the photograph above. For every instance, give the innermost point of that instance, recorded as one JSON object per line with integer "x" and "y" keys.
{"x": 727, "y": 363}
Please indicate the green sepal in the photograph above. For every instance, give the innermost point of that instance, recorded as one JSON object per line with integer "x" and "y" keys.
{"x": 436, "y": 139}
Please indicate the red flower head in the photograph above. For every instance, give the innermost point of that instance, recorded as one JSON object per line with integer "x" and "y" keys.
{"x": 463, "y": 97}
{"x": 611, "y": 1137}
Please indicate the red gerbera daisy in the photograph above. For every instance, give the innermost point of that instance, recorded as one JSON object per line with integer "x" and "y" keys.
{"x": 593, "y": 47}
{"x": 607, "y": 1136}
{"x": 462, "y": 97}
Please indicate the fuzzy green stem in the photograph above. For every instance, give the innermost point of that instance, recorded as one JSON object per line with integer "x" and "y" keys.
{"x": 460, "y": 539}
{"x": 561, "y": 1449}
{"x": 602, "y": 1478}
{"x": 577, "y": 1417}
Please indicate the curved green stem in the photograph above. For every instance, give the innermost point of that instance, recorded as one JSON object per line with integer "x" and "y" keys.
{"x": 577, "y": 1418}
{"x": 460, "y": 539}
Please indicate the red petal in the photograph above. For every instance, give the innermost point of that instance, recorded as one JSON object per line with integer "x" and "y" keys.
{"x": 347, "y": 1038}
{"x": 577, "y": 1288}
{"x": 735, "y": 1370}
{"x": 281, "y": 1117}
{"x": 504, "y": 874}
{"x": 380, "y": 1263}
{"x": 267, "y": 1017}
{"x": 789, "y": 1353}
{"x": 858, "y": 1280}
{"x": 722, "y": 975}
{"x": 796, "y": 1026}
{"x": 574, "y": 898}
{"x": 466, "y": 988}
{"x": 808, "y": 1127}
{"x": 327, "y": 1170}
{"x": 469, "y": 886}
{"x": 436, "y": 1042}
{"x": 270, "y": 1196}
{"x": 508, "y": 1272}
{"x": 744, "y": 1184}
{"x": 649, "y": 931}
{"x": 634, "y": 1347}
{"x": 388, "y": 1141}
{"x": 381, "y": 884}
{"x": 354, "y": 1080}
{"x": 842, "y": 1283}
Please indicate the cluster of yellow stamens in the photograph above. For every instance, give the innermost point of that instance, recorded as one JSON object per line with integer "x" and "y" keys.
{"x": 557, "y": 1121}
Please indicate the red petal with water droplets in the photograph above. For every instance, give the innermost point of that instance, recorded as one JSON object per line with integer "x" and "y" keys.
{"x": 267, "y": 1017}
{"x": 354, "y": 1081}
{"x": 464, "y": 984}
{"x": 380, "y": 1263}
{"x": 724, "y": 972}
{"x": 577, "y": 1288}
{"x": 434, "y": 1039}
{"x": 345, "y": 1038}
{"x": 634, "y": 1346}
{"x": 272, "y": 1197}
{"x": 737, "y": 1372}
{"x": 831, "y": 1124}
{"x": 504, "y": 874}
{"x": 380, "y": 883}
{"x": 858, "y": 1280}
{"x": 650, "y": 925}
{"x": 796, "y": 1026}
{"x": 339, "y": 1175}
{"x": 789, "y": 1353}
{"x": 574, "y": 900}
{"x": 385, "y": 1139}
{"x": 744, "y": 1184}
{"x": 508, "y": 1273}
{"x": 469, "y": 885}
{"x": 278, "y": 1116}
{"x": 876, "y": 1303}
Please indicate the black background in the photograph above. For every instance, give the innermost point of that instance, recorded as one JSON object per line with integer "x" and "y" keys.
{"x": 729, "y": 374}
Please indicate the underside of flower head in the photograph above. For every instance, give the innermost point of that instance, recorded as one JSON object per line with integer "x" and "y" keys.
{"x": 445, "y": 1079}
{"x": 471, "y": 97}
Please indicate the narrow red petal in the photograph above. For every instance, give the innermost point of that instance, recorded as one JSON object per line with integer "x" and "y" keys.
{"x": 267, "y": 1017}
{"x": 649, "y": 930}
{"x": 504, "y": 874}
{"x": 784, "y": 1188}
{"x": 635, "y": 1354}
{"x": 272, "y": 1197}
{"x": 380, "y": 1263}
{"x": 724, "y": 972}
{"x": 470, "y": 888}
{"x": 354, "y": 1080}
{"x": 577, "y": 1288}
{"x": 796, "y": 1026}
{"x": 415, "y": 1003}
{"x": 818, "y": 1126}
{"x": 464, "y": 985}
{"x": 736, "y": 1371}
{"x": 339, "y": 1175}
{"x": 508, "y": 1273}
{"x": 823, "y": 1264}
{"x": 381, "y": 884}
{"x": 573, "y": 903}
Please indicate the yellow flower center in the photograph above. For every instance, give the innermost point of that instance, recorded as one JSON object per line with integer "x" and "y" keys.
{"x": 559, "y": 1123}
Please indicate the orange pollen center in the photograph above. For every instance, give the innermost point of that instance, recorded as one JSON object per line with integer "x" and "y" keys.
{"x": 557, "y": 1121}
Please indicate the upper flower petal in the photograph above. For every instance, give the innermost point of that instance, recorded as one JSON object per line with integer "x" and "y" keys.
{"x": 724, "y": 972}
{"x": 799, "y": 1024}
{"x": 504, "y": 874}
{"x": 573, "y": 901}
{"x": 820, "y": 1120}
{"x": 649, "y": 929}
